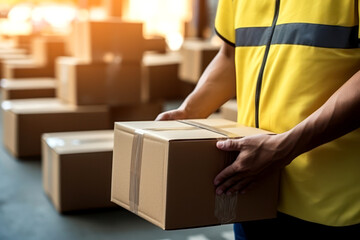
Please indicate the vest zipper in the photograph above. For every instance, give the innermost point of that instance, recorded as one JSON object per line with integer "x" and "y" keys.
{"x": 261, "y": 72}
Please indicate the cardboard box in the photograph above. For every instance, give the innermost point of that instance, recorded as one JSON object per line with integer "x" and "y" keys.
{"x": 42, "y": 63}
{"x": 155, "y": 43}
{"x": 197, "y": 54}
{"x": 5, "y": 57}
{"x": 84, "y": 83}
{"x": 94, "y": 40}
{"x": 164, "y": 171}
{"x": 147, "y": 111}
{"x": 229, "y": 110}
{"x": 28, "y": 88}
{"x": 160, "y": 77}
{"x": 24, "y": 121}
{"x": 46, "y": 49}
{"x": 76, "y": 169}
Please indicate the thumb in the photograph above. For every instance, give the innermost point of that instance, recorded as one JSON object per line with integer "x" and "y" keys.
{"x": 228, "y": 145}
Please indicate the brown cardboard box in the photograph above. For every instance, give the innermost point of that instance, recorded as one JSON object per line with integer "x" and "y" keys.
{"x": 164, "y": 170}
{"x": 94, "y": 40}
{"x": 24, "y": 121}
{"x": 160, "y": 77}
{"x": 42, "y": 63}
{"x": 46, "y": 49}
{"x": 28, "y": 88}
{"x": 147, "y": 111}
{"x": 229, "y": 110}
{"x": 5, "y": 57}
{"x": 155, "y": 43}
{"x": 76, "y": 169}
{"x": 197, "y": 54}
{"x": 84, "y": 83}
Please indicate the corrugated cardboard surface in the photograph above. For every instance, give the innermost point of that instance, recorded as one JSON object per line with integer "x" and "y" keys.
{"x": 229, "y": 110}
{"x": 178, "y": 165}
{"x": 26, "y": 120}
{"x": 76, "y": 169}
{"x": 84, "y": 83}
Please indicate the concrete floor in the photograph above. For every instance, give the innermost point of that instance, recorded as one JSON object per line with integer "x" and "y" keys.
{"x": 27, "y": 214}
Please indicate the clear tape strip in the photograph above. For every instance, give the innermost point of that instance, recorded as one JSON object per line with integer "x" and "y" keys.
{"x": 135, "y": 170}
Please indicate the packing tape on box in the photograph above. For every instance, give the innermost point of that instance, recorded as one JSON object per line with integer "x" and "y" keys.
{"x": 225, "y": 205}
{"x": 135, "y": 170}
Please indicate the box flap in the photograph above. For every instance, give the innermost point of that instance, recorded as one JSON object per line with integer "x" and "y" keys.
{"x": 156, "y": 59}
{"x": 197, "y": 129}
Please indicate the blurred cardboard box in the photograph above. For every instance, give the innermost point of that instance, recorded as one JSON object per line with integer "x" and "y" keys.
{"x": 28, "y": 88}
{"x": 84, "y": 83}
{"x": 147, "y": 111}
{"x": 95, "y": 40}
{"x": 12, "y": 51}
{"x": 76, "y": 168}
{"x": 197, "y": 54}
{"x": 42, "y": 63}
{"x": 163, "y": 171}
{"x": 155, "y": 44}
{"x": 6, "y": 57}
{"x": 229, "y": 110}
{"x": 160, "y": 77}
{"x": 24, "y": 121}
{"x": 46, "y": 49}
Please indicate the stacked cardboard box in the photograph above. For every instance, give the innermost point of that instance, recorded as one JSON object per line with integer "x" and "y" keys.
{"x": 76, "y": 169}
{"x": 164, "y": 171}
{"x": 28, "y": 88}
{"x": 229, "y": 110}
{"x": 161, "y": 77}
{"x": 106, "y": 67}
{"x": 197, "y": 54}
{"x": 24, "y": 121}
{"x": 44, "y": 52}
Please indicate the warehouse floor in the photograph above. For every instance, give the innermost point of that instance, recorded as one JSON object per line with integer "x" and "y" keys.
{"x": 27, "y": 214}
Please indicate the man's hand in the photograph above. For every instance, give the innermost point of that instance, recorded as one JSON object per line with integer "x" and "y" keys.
{"x": 257, "y": 154}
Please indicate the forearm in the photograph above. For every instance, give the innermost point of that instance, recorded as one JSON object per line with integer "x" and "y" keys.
{"x": 216, "y": 85}
{"x": 337, "y": 117}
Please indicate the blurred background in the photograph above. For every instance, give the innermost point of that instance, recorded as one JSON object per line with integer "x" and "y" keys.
{"x": 69, "y": 69}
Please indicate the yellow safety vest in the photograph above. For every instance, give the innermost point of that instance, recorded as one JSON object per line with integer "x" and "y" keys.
{"x": 290, "y": 57}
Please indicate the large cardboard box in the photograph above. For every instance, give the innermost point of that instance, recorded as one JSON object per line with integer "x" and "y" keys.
{"x": 160, "y": 77}
{"x": 84, "y": 83}
{"x": 76, "y": 168}
{"x": 25, "y": 120}
{"x": 164, "y": 171}
{"x": 95, "y": 40}
{"x": 197, "y": 54}
{"x": 229, "y": 110}
{"x": 28, "y": 88}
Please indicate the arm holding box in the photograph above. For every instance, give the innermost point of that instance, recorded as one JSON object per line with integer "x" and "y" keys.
{"x": 215, "y": 87}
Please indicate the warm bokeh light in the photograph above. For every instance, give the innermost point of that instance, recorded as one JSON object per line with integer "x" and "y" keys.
{"x": 161, "y": 17}
{"x": 20, "y": 13}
